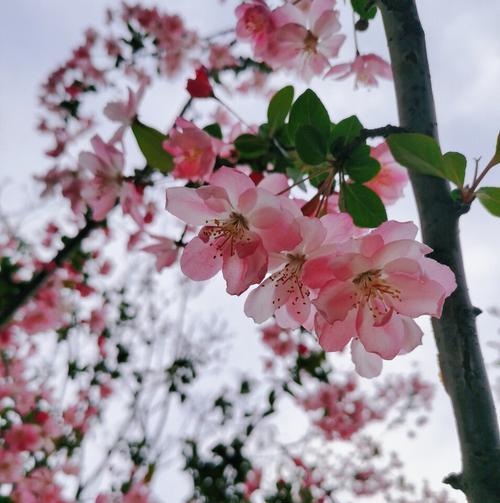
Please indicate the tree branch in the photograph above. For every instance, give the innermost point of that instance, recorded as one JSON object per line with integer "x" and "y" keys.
{"x": 38, "y": 280}
{"x": 383, "y": 131}
{"x": 461, "y": 362}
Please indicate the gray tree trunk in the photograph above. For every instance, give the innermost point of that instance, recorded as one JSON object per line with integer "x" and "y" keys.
{"x": 460, "y": 357}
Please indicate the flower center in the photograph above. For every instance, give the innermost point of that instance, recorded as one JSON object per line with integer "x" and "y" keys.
{"x": 255, "y": 21}
{"x": 310, "y": 42}
{"x": 289, "y": 278}
{"x": 375, "y": 292}
{"x": 227, "y": 232}
{"x": 193, "y": 154}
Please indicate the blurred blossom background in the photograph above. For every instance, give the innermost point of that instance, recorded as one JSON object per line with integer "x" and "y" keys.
{"x": 463, "y": 49}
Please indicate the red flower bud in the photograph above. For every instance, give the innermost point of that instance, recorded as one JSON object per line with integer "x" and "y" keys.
{"x": 200, "y": 86}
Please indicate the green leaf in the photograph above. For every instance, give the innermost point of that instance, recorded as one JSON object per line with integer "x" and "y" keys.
{"x": 364, "y": 206}
{"x": 456, "y": 195}
{"x": 214, "y": 130}
{"x": 278, "y": 109}
{"x": 490, "y": 199}
{"x": 453, "y": 168}
{"x": 360, "y": 166}
{"x": 309, "y": 111}
{"x": 150, "y": 142}
{"x": 345, "y": 132}
{"x": 417, "y": 152}
{"x": 496, "y": 156}
{"x": 310, "y": 145}
{"x": 365, "y": 8}
{"x": 251, "y": 146}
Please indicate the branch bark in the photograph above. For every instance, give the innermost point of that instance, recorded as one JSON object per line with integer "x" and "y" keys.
{"x": 462, "y": 367}
{"x": 38, "y": 280}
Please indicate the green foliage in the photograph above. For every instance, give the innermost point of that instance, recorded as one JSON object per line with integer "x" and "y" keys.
{"x": 313, "y": 364}
{"x": 251, "y": 146}
{"x": 364, "y": 206}
{"x": 214, "y": 130}
{"x": 345, "y": 132}
{"x": 278, "y": 109}
{"x": 360, "y": 166}
{"x": 366, "y": 9}
{"x": 351, "y": 152}
{"x": 489, "y": 197}
{"x": 309, "y": 111}
{"x": 180, "y": 374}
{"x": 311, "y": 146}
{"x": 496, "y": 156}
{"x": 417, "y": 152}
{"x": 150, "y": 142}
{"x": 453, "y": 167}
{"x": 71, "y": 106}
{"x": 218, "y": 475}
{"x": 422, "y": 154}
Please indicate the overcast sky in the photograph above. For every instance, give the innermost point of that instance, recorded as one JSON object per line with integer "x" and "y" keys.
{"x": 464, "y": 54}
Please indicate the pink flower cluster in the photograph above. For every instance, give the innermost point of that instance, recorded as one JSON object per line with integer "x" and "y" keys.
{"x": 371, "y": 292}
{"x": 301, "y": 35}
{"x": 304, "y": 36}
{"x": 171, "y": 37}
{"x": 343, "y": 413}
{"x": 194, "y": 151}
{"x": 365, "y": 289}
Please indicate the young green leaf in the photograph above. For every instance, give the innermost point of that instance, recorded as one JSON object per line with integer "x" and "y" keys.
{"x": 453, "y": 168}
{"x": 150, "y": 142}
{"x": 417, "y": 152}
{"x": 214, "y": 130}
{"x": 364, "y": 206}
{"x": 496, "y": 156}
{"x": 346, "y": 131}
{"x": 309, "y": 111}
{"x": 251, "y": 146}
{"x": 366, "y": 9}
{"x": 310, "y": 145}
{"x": 360, "y": 166}
{"x": 279, "y": 107}
{"x": 490, "y": 199}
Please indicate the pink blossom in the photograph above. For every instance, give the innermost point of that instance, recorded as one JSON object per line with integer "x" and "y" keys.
{"x": 342, "y": 413}
{"x": 124, "y": 112}
{"x": 279, "y": 340}
{"x": 392, "y": 177}
{"x": 23, "y": 437}
{"x": 241, "y": 225}
{"x": 71, "y": 186}
{"x": 97, "y": 322}
{"x": 165, "y": 251}
{"x": 138, "y": 493}
{"x": 366, "y": 68}
{"x": 106, "y": 166}
{"x": 306, "y": 38}
{"x": 44, "y": 312}
{"x": 132, "y": 202}
{"x": 39, "y": 487}
{"x": 194, "y": 151}
{"x": 11, "y": 466}
{"x": 372, "y": 292}
{"x": 284, "y": 293}
{"x": 255, "y": 23}
{"x": 252, "y": 482}
{"x": 220, "y": 57}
